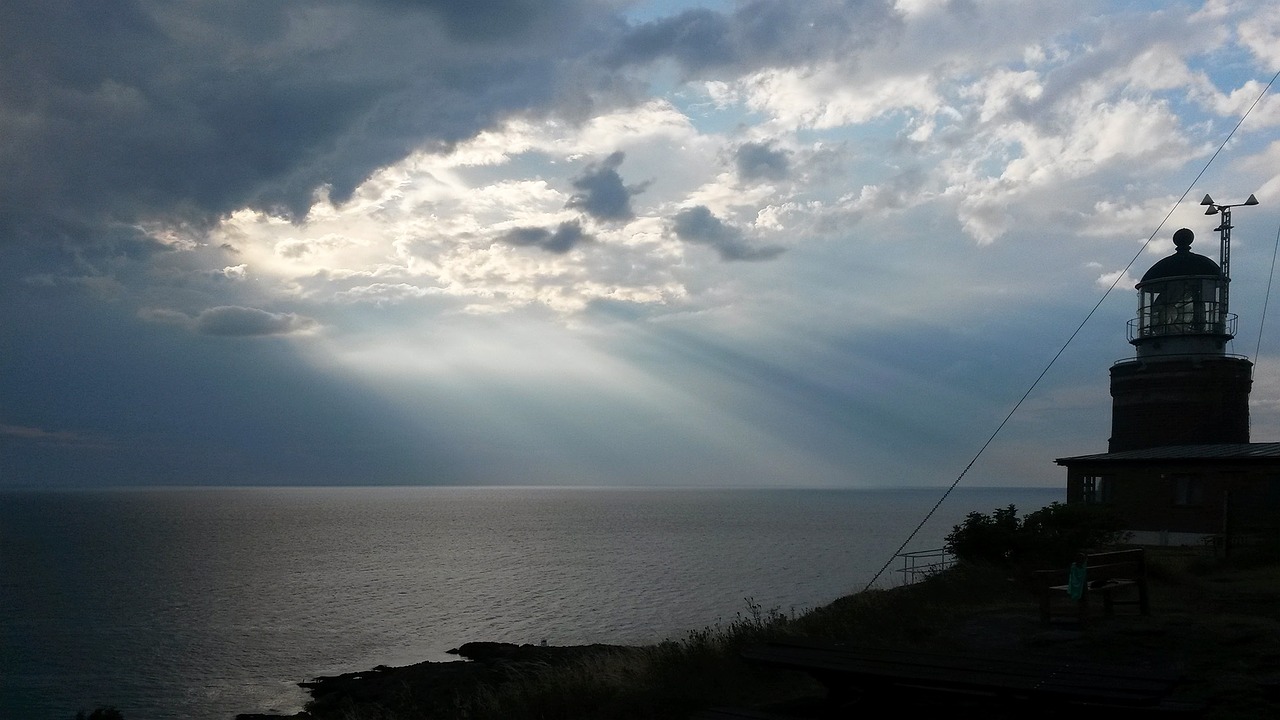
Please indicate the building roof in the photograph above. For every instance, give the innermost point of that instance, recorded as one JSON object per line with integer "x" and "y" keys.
{"x": 1223, "y": 451}
{"x": 1183, "y": 262}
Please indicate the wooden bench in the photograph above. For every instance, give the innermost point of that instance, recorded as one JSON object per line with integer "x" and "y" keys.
{"x": 898, "y": 677}
{"x": 1106, "y": 574}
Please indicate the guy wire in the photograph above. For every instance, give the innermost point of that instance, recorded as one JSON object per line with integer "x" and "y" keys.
{"x": 1266, "y": 300}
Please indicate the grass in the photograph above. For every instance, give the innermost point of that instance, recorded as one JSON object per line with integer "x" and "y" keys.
{"x": 702, "y": 669}
{"x": 670, "y": 679}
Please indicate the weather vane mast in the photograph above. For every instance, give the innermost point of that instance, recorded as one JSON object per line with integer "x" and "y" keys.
{"x": 1224, "y": 233}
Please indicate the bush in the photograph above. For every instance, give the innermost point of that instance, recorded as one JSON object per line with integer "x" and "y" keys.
{"x": 1054, "y": 534}
{"x": 986, "y": 538}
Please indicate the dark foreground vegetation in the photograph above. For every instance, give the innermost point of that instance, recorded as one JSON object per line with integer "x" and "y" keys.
{"x": 1215, "y": 621}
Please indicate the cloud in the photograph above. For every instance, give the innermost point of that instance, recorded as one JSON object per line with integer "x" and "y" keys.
{"x": 235, "y": 321}
{"x": 296, "y": 248}
{"x": 384, "y": 294}
{"x": 756, "y": 34}
{"x": 760, "y": 161}
{"x": 898, "y": 191}
{"x": 1116, "y": 278}
{"x": 825, "y": 96}
{"x": 699, "y": 226}
{"x": 1261, "y": 35}
{"x": 698, "y": 39}
{"x": 126, "y": 110}
{"x": 234, "y": 272}
{"x": 231, "y": 321}
{"x": 49, "y": 437}
{"x": 563, "y": 239}
{"x": 164, "y": 316}
{"x": 601, "y": 193}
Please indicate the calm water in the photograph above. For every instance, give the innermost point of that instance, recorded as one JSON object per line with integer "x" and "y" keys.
{"x": 201, "y": 603}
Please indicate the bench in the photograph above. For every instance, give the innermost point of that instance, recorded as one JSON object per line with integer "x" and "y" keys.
{"x": 1107, "y": 574}
{"x": 902, "y": 677}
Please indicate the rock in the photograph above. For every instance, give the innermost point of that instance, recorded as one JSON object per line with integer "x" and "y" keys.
{"x": 430, "y": 689}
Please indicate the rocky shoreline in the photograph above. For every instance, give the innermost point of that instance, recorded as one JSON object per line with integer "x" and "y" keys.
{"x": 434, "y": 686}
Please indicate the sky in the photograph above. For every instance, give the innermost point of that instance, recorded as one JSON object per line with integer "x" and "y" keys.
{"x": 610, "y": 242}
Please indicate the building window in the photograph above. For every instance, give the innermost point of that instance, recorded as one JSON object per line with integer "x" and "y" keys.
{"x": 1096, "y": 489}
{"x": 1188, "y": 490}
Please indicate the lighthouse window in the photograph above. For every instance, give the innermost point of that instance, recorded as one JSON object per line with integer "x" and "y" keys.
{"x": 1097, "y": 489}
{"x": 1175, "y": 308}
{"x": 1188, "y": 490}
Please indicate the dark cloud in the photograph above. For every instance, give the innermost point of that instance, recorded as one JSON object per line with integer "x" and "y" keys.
{"x": 563, "y": 239}
{"x": 760, "y": 161}
{"x": 696, "y": 38}
{"x": 235, "y": 321}
{"x": 756, "y": 34}
{"x": 123, "y": 110}
{"x": 698, "y": 225}
{"x": 601, "y": 193}
{"x": 128, "y": 109}
{"x": 488, "y": 20}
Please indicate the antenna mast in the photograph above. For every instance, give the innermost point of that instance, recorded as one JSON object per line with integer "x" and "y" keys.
{"x": 1224, "y": 232}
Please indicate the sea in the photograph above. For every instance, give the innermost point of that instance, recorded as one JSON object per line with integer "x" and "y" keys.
{"x": 201, "y": 603}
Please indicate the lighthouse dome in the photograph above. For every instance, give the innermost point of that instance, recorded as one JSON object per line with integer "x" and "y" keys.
{"x": 1183, "y": 262}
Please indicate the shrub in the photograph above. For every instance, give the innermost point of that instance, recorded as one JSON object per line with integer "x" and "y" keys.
{"x": 1051, "y": 535}
{"x": 986, "y": 538}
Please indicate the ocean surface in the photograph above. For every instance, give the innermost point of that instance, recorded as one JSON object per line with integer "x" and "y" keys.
{"x": 201, "y": 603}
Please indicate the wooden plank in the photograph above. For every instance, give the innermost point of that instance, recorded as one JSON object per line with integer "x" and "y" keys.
{"x": 889, "y": 655}
{"x": 1040, "y": 679}
{"x": 738, "y": 714}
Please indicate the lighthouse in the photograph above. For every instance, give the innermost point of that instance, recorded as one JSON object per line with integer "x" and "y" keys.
{"x": 1180, "y": 467}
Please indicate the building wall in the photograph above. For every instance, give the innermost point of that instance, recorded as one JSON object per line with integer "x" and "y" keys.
{"x": 1179, "y": 402}
{"x": 1183, "y": 497}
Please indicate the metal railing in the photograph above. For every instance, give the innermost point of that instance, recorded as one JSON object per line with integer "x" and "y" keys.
{"x": 1194, "y": 357}
{"x": 920, "y": 564}
{"x": 1224, "y": 327}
